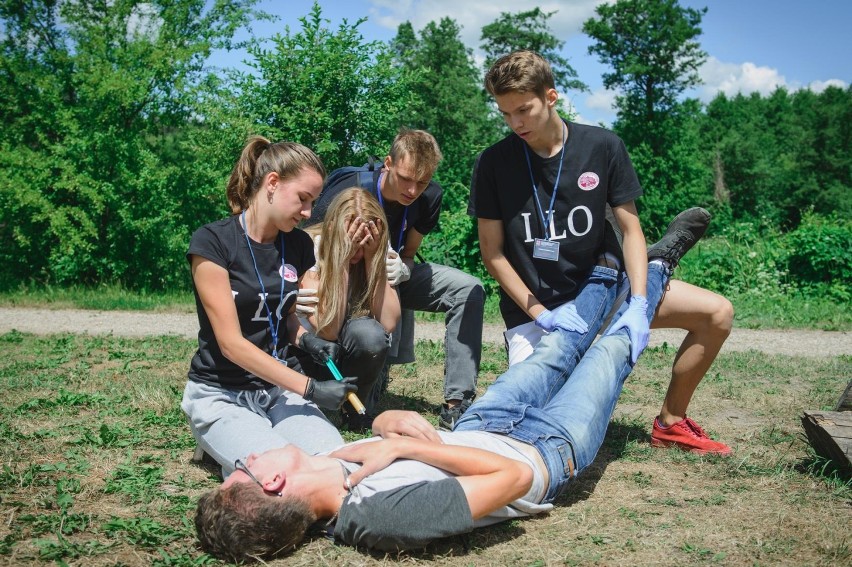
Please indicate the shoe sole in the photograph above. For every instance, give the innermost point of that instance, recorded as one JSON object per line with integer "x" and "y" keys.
{"x": 660, "y": 444}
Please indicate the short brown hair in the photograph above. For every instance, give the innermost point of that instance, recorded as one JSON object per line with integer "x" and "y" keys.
{"x": 520, "y": 71}
{"x": 420, "y": 147}
{"x": 241, "y": 523}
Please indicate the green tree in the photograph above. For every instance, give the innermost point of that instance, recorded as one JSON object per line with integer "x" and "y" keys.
{"x": 529, "y": 30}
{"x": 328, "y": 89}
{"x": 452, "y": 106}
{"x": 652, "y": 48}
{"x": 778, "y": 156}
{"x": 94, "y": 96}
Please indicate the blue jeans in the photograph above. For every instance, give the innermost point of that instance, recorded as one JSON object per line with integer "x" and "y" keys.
{"x": 556, "y": 404}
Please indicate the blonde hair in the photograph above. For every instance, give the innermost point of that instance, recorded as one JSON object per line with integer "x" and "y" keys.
{"x": 335, "y": 248}
{"x": 520, "y": 71}
{"x": 259, "y": 158}
{"x": 421, "y": 148}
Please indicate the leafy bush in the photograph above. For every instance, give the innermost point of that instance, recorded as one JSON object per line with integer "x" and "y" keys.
{"x": 743, "y": 258}
{"x": 819, "y": 250}
{"x": 757, "y": 259}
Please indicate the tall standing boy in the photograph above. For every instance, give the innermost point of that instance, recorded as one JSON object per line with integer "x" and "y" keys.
{"x": 540, "y": 197}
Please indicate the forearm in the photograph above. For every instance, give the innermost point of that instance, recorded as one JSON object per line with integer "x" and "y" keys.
{"x": 511, "y": 283}
{"x": 252, "y": 359}
{"x": 489, "y": 480}
{"x": 385, "y": 306}
{"x": 634, "y": 247}
{"x": 636, "y": 263}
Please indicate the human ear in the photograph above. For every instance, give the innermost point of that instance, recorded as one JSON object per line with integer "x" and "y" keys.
{"x": 551, "y": 96}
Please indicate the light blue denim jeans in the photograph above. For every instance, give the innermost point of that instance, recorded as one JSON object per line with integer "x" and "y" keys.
{"x": 556, "y": 404}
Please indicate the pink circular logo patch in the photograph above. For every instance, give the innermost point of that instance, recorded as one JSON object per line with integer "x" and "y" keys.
{"x": 288, "y": 272}
{"x": 588, "y": 181}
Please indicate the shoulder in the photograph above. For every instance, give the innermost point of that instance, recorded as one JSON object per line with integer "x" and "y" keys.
{"x": 407, "y": 516}
{"x": 593, "y": 133}
{"x": 509, "y": 145}
{"x": 215, "y": 230}
{"x": 433, "y": 191}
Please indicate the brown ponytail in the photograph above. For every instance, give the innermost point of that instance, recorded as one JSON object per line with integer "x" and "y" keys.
{"x": 258, "y": 159}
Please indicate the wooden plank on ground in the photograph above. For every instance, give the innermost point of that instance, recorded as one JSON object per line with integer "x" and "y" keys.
{"x": 830, "y": 434}
{"x": 845, "y": 401}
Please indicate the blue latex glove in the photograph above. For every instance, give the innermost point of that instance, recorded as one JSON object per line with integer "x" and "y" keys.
{"x": 635, "y": 320}
{"x": 563, "y": 317}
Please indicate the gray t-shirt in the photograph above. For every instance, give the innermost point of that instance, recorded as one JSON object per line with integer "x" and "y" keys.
{"x": 409, "y": 503}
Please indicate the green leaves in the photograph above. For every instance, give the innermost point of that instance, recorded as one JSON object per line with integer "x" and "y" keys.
{"x": 91, "y": 190}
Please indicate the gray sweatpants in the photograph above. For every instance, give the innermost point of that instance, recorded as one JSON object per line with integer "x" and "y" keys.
{"x": 230, "y": 424}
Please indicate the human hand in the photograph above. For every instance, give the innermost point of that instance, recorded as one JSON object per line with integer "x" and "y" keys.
{"x": 635, "y": 320}
{"x": 563, "y": 317}
{"x": 373, "y": 456}
{"x": 398, "y": 271}
{"x": 330, "y": 394}
{"x": 320, "y": 350}
{"x": 370, "y": 240}
{"x": 402, "y": 423}
{"x": 306, "y": 302}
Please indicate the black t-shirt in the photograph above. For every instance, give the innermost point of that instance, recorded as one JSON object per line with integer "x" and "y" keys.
{"x": 596, "y": 172}
{"x": 422, "y": 214}
{"x": 224, "y": 243}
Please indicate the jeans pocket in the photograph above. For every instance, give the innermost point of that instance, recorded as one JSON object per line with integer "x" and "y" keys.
{"x": 494, "y": 418}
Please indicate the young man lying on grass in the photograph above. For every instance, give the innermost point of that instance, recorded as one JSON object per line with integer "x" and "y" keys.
{"x": 510, "y": 455}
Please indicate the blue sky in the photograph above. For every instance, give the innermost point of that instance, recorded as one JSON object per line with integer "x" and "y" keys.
{"x": 753, "y": 45}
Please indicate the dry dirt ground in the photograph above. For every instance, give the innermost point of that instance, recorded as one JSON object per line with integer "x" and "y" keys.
{"x": 791, "y": 342}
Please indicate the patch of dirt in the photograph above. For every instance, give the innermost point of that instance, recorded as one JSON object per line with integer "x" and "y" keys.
{"x": 791, "y": 342}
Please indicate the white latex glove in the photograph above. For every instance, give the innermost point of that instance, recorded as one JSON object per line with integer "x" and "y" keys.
{"x": 306, "y": 302}
{"x": 398, "y": 271}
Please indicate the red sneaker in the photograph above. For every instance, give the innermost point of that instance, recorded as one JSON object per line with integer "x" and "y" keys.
{"x": 687, "y": 436}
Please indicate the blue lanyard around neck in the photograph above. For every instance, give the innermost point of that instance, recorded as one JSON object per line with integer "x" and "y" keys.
{"x": 273, "y": 329}
{"x": 555, "y": 185}
{"x": 382, "y": 204}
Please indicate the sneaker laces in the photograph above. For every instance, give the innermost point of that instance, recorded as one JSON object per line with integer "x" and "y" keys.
{"x": 695, "y": 428}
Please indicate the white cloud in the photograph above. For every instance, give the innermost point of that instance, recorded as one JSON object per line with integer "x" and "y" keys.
{"x": 472, "y": 15}
{"x": 733, "y": 78}
{"x": 819, "y": 86}
{"x": 747, "y": 78}
{"x": 602, "y": 99}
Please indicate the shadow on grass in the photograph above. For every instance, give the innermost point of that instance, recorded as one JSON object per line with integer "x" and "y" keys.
{"x": 618, "y": 437}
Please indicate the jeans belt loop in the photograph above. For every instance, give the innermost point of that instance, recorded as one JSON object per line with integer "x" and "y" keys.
{"x": 567, "y": 458}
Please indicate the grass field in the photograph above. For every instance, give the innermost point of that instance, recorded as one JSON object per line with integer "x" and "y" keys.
{"x": 96, "y": 466}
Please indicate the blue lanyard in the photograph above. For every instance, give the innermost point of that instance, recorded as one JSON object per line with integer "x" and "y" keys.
{"x": 382, "y": 204}
{"x": 555, "y": 185}
{"x": 273, "y": 329}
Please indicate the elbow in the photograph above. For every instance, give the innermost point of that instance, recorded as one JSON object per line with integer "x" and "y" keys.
{"x": 390, "y": 319}
{"x": 524, "y": 480}
{"x": 230, "y": 350}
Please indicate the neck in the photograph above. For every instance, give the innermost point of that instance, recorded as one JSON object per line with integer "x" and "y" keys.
{"x": 263, "y": 232}
{"x": 552, "y": 140}
{"x": 327, "y": 486}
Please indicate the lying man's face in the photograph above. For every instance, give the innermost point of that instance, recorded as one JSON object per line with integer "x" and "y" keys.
{"x": 270, "y": 469}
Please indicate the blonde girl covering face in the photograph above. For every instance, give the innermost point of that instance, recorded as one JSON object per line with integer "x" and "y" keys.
{"x": 351, "y": 277}
{"x": 356, "y": 307}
